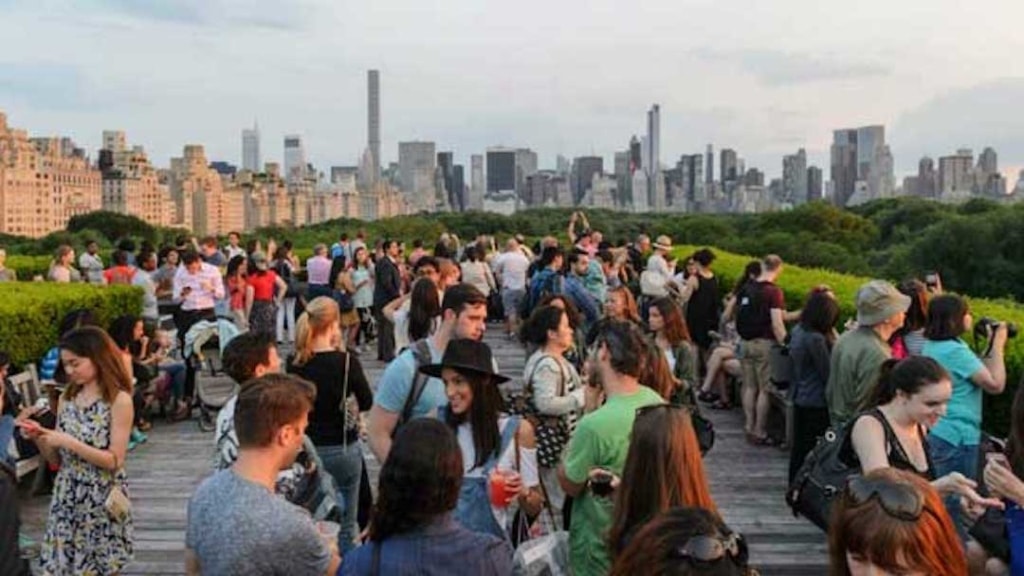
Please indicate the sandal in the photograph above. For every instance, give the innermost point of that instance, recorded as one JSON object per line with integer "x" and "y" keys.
{"x": 707, "y": 396}
{"x": 720, "y": 405}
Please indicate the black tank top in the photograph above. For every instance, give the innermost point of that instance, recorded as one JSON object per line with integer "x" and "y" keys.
{"x": 897, "y": 455}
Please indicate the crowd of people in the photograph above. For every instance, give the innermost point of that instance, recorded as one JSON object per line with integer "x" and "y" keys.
{"x": 594, "y": 451}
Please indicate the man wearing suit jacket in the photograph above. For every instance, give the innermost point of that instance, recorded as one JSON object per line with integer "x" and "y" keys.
{"x": 387, "y": 287}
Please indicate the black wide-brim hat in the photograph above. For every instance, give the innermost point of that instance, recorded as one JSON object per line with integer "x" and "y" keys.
{"x": 465, "y": 355}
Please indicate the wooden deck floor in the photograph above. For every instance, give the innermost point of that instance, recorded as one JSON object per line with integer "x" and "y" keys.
{"x": 747, "y": 484}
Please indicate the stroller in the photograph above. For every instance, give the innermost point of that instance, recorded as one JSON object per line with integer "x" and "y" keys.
{"x": 204, "y": 343}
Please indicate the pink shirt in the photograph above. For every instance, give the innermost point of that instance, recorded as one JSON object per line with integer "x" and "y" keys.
{"x": 318, "y": 270}
{"x": 206, "y": 285}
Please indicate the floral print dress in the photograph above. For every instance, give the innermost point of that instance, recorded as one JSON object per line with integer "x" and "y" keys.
{"x": 81, "y": 538}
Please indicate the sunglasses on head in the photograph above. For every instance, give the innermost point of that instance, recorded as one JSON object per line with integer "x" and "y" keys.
{"x": 900, "y": 501}
{"x": 711, "y": 549}
{"x": 653, "y": 407}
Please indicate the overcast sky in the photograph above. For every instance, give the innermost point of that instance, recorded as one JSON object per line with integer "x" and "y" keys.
{"x": 565, "y": 76}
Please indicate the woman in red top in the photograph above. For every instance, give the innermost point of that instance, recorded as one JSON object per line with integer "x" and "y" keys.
{"x": 263, "y": 295}
{"x": 235, "y": 285}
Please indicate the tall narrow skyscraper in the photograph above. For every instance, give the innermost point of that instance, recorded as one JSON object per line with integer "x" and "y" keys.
{"x": 709, "y": 168}
{"x": 373, "y": 119}
{"x": 251, "y": 148}
{"x": 652, "y": 161}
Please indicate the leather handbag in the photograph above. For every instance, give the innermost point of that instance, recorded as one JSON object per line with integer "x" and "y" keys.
{"x": 821, "y": 478}
{"x": 117, "y": 504}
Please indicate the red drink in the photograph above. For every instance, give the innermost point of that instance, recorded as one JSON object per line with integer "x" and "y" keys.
{"x": 496, "y": 490}
{"x": 500, "y": 491}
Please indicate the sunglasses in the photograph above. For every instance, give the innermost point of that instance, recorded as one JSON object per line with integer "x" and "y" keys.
{"x": 654, "y": 407}
{"x": 899, "y": 501}
{"x": 711, "y": 549}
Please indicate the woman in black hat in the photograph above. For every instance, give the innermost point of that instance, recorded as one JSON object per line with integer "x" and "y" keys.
{"x": 492, "y": 443}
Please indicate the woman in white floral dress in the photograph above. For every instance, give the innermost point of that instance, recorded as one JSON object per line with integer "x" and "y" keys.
{"x": 89, "y": 444}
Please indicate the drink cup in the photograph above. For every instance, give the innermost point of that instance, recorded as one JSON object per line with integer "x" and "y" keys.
{"x": 499, "y": 490}
{"x": 510, "y": 490}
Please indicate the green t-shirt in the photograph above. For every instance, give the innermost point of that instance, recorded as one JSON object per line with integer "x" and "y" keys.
{"x": 601, "y": 440}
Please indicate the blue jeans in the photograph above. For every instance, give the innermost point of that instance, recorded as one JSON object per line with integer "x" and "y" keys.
{"x": 176, "y": 372}
{"x": 947, "y": 458}
{"x": 345, "y": 464}
{"x": 6, "y": 437}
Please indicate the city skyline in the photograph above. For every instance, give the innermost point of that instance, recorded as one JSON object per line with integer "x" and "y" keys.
{"x": 764, "y": 81}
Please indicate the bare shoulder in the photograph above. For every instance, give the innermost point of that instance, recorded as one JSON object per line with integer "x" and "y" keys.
{"x": 526, "y": 434}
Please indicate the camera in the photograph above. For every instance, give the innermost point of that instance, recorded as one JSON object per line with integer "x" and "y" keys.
{"x": 982, "y": 327}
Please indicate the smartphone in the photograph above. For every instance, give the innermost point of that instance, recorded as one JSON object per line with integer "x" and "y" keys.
{"x": 998, "y": 458}
{"x": 29, "y": 425}
{"x": 931, "y": 279}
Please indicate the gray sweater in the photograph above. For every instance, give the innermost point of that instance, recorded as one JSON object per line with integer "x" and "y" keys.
{"x": 810, "y": 356}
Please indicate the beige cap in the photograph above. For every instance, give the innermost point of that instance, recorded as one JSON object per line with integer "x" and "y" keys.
{"x": 878, "y": 301}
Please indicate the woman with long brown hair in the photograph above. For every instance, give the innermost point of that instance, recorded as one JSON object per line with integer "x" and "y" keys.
{"x": 621, "y": 305}
{"x": 342, "y": 392}
{"x": 672, "y": 339}
{"x": 85, "y": 534}
{"x": 412, "y": 530}
{"x": 893, "y": 521}
{"x": 685, "y": 542}
{"x": 663, "y": 470}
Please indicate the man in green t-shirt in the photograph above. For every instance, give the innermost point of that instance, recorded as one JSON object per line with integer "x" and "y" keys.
{"x": 601, "y": 441}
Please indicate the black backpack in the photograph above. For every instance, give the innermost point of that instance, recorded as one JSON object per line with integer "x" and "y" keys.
{"x": 752, "y": 314}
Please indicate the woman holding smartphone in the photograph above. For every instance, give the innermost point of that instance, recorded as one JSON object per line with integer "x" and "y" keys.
{"x": 89, "y": 529}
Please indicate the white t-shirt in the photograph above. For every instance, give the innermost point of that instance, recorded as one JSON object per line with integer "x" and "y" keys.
{"x": 512, "y": 267}
{"x": 507, "y": 461}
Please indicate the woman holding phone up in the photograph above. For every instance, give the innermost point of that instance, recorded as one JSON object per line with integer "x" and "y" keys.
{"x": 89, "y": 529}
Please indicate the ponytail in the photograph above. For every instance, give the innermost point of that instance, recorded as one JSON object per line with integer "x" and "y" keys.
{"x": 884, "y": 389}
{"x": 320, "y": 313}
{"x": 303, "y": 340}
{"x": 907, "y": 376}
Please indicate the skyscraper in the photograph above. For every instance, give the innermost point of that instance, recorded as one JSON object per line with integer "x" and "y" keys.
{"x": 956, "y": 176}
{"x": 652, "y": 163}
{"x": 446, "y": 165}
{"x": 584, "y": 168}
{"x": 709, "y": 168}
{"x": 501, "y": 170}
{"x": 459, "y": 188}
{"x": 926, "y": 178}
{"x": 728, "y": 164}
{"x": 526, "y": 165}
{"x": 294, "y": 158}
{"x": 861, "y": 160}
{"x": 251, "y": 149}
{"x": 477, "y": 186}
{"x": 815, "y": 191}
{"x": 373, "y": 119}
{"x": 794, "y": 178}
{"x": 416, "y": 164}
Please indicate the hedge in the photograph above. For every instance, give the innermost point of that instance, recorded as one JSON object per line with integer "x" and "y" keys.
{"x": 27, "y": 267}
{"x": 797, "y": 282}
{"x": 30, "y": 313}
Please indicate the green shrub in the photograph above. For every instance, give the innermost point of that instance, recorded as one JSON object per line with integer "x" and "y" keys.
{"x": 28, "y": 267}
{"x": 796, "y": 283}
{"x": 30, "y": 312}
